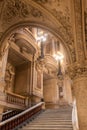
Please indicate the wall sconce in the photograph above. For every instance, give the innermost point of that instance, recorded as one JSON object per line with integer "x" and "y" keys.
{"x": 59, "y": 57}
{"x": 41, "y": 38}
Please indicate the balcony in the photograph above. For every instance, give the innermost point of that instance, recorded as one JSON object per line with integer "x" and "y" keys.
{"x": 12, "y": 100}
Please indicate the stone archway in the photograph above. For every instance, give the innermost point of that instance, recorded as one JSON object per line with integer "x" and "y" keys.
{"x": 18, "y": 26}
{"x": 17, "y": 12}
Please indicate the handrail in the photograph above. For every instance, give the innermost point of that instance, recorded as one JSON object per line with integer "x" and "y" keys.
{"x": 20, "y": 118}
{"x": 75, "y": 116}
{"x": 10, "y": 114}
{"x": 7, "y": 112}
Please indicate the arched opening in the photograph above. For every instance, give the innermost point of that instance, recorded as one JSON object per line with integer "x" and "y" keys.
{"x": 26, "y": 75}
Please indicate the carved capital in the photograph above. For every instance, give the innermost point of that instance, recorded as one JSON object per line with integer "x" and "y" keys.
{"x": 77, "y": 70}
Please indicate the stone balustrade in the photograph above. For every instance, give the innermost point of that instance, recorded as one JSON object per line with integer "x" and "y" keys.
{"x": 15, "y": 99}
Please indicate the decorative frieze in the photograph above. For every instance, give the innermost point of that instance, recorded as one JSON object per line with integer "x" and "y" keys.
{"x": 19, "y": 9}
{"x": 77, "y": 70}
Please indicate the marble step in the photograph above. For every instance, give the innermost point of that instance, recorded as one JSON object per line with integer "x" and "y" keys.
{"x": 55, "y": 115}
{"x": 47, "y": 129}
{"x": 50, "y": 123}
{"x": 54, "y": 121}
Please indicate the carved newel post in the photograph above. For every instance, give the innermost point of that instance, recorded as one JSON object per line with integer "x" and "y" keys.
{"x": 78, "y": 74}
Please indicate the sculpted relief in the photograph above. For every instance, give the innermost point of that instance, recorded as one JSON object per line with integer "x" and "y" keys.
{"x": 9, "y": 75}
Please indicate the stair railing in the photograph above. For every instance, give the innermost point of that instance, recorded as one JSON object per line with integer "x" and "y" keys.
{"x": 17, "y": 120}
{"x": 75, "y": 116}
{"x": 10, "y": 114}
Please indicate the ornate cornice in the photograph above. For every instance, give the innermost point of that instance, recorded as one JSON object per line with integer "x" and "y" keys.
{"x": 77, "y": 70}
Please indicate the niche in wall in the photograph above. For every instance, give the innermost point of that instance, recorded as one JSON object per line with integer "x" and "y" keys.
{"x": 18, "y": 73}
{"x": 22, "y": 78}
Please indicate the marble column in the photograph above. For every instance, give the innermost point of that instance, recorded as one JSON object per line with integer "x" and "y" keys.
{"x": 80, "y": 92}
{"x": 79, "y": 77}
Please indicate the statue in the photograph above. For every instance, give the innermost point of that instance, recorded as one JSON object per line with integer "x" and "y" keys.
{"x": 9, "y": 75}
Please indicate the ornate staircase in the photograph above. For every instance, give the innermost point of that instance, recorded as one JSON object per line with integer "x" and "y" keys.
{"x": 52, "y": 119}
